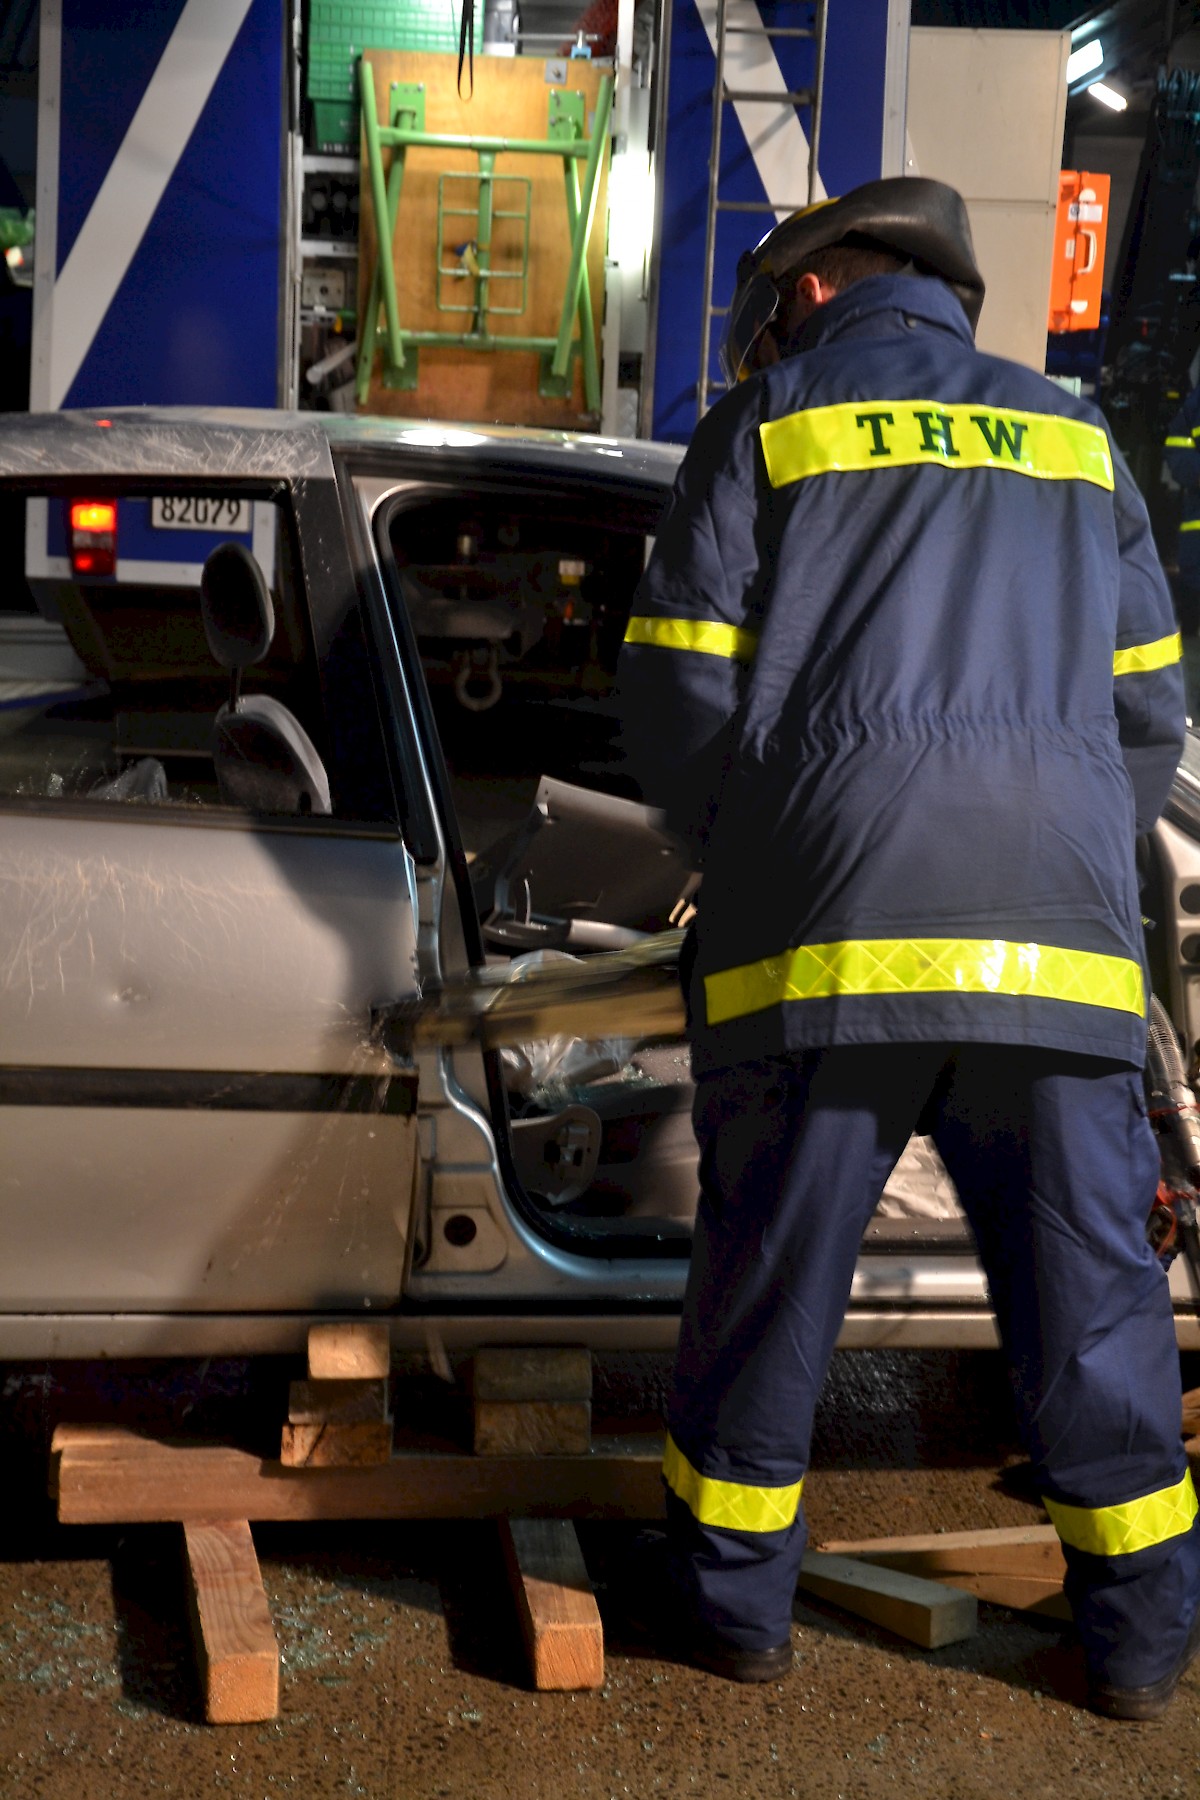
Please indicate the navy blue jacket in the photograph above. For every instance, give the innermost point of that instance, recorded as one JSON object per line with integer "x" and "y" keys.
{"x": 1182, "y": 450}
{"x": 903, "y": 669}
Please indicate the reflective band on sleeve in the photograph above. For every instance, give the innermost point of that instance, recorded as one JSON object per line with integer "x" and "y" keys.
{"x": 709, "y": 636}
{"x": 1135, "y": 1525}
{"x": 1141, "y": 657}
{"x": 888, "y": 434}
{"x": 1190, "y": 525}
{"x": 925, "y": 966}
{"x": 732, "y": 1504}
{"x": 1179, "y": 443}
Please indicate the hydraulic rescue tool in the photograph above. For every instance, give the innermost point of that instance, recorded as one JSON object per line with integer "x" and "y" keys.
{"x": 1171, "y": 1103}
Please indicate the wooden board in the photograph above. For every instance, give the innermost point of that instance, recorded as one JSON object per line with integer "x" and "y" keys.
{"x": 358, "y": 1351}
{"x": 321, "y": 1444}
{"x": 511, "y": 99}
{"x": 103, "y": 1474}
{"x": 532, "y": 1374}
{"x": 532, "y": 1427}
{"x": 1018, "y": 1566}
{"x": 560, "y": 1622}
{"x": 235, "y": 1642}
{"x": 337, "y": 1402}
{"x": 924, "y": 1612}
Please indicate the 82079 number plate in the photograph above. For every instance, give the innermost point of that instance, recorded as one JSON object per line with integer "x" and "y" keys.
{"x": 199, "y": 512}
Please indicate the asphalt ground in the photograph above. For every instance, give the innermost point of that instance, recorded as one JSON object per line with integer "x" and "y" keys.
{"x": 402, "y": 1671}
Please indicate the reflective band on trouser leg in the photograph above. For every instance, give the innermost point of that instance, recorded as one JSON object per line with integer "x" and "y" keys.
{"x": 1178, "y": 443}
{"x": 1141, "y": 657}
{"x": 709, "y": 636}
{"x": 1134, "y": 1525}
{"x": 1190, "y": 525}
{"x": 925, "y": 966}
{"x": 734, "y": 1505}
{"x": 883, "y": 434}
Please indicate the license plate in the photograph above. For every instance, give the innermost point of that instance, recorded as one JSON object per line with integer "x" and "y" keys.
{"x": 199, "y": 512}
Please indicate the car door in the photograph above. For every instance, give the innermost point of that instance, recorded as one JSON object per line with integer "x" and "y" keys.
{"x": 195, "y": 1118}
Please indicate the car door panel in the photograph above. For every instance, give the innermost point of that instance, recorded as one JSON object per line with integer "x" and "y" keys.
{"x": 185, "y": 1040}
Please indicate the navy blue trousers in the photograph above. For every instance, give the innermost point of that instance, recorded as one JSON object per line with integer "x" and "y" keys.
{"x": 1056, "y": 1166}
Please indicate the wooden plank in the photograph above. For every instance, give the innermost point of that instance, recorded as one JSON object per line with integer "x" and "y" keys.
{"x": 1018, "y": 1566}
{"x": 110, "y": 1475}
{"x": 510, "y": 99}
{"x": 337, "y": 1402}
{"x": 357, "y": 1351}
{"x": 924, "y": 1612}
{"x": 316, "y": 1444}
{"x": 235, "y": 1641}
{"x": 532, "y": 1427}
{"x": 532, "y": 1374}
{"x": 1030, "y": 1550}
{"x": 560, "y": 1621}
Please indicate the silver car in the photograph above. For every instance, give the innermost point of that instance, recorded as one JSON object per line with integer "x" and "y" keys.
{"x": 234, "y": 841}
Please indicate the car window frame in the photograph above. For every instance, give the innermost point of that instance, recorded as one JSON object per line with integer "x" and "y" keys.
{"x": 313, "y": 611}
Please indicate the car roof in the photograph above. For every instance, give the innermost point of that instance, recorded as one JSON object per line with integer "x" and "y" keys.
{"x": 230, "y": 441}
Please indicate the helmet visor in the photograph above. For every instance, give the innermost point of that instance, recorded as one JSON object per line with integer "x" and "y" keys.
{"x": 753, "y": 308}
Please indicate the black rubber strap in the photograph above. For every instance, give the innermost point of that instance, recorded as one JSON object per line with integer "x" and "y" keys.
{"x": 466, "y": 45}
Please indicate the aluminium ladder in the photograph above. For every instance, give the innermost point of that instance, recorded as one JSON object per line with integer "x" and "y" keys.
{"x": 789, "y": 99}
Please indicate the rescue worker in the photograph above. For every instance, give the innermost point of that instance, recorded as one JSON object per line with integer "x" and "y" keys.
{"x": 903, "y": 670}
{"x": 1182, "y": 451}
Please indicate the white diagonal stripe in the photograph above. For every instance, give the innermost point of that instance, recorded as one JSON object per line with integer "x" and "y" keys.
{"x": 773, "y": 133}
{"x": 136, "y": 181}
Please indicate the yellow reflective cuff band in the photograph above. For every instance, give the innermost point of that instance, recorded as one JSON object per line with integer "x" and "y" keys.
{"x": 883, "y": 434}
{"x": 732, "y": 1504}
{"x": 925, "y": 966}
{"x": 1135, "y": 1525}
{"x": 709, "y": 636}
{"x": 1179, "y": 443}
{"x": 1141, "y": 657}
{"x": 1190, "y": 525}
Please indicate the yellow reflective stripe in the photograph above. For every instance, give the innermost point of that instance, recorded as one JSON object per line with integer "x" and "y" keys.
{"x": 1190, "y": 525}
{"x": 733, "y": 1504}
{"x": 1179, "y": 443}
{"x": 709, "y": 636}
{"x": 925, "y": 966}
{"x": 1135, "y": 1525}
{"x": 1141, "y": 657}
{"x": 882, "y": 434}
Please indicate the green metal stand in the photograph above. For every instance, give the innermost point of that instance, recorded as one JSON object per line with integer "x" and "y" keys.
{"x": 567, "y": 140}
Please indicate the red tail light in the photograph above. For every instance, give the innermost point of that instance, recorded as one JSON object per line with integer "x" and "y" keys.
{"x": 93, "y": 537}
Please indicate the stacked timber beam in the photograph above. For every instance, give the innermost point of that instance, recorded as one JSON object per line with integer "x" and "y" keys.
{"x": 539, "y": 1403}
{"x": 341, "y": 1416}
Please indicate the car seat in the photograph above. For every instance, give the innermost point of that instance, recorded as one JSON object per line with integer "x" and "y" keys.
{"x": 264, "y": 759}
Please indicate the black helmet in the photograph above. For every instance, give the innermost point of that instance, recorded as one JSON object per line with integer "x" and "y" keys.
{"x": 923, "y": 220}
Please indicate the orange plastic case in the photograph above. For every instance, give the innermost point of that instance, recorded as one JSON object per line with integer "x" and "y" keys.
{"x": 1077, "y": 273}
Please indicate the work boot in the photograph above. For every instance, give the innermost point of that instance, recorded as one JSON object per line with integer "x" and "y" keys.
{"x": 647, "y": 1596}
{"x": 1151, "y": 1701}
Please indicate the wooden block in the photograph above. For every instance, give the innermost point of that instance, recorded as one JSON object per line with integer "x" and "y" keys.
{"x": 235, "y": 1641}
{"x": 316, "y": 1445}
{"x": 924, "y": 1612}
{"x": 337, "y": 1402}
{"x": 106, "y": 1474}
{"x": 532, "y": 1374}
{"x": 1019, "y": 1566}
{"x": 533, "y": 1427}
{"x": 360, "y": 1350}
{"x": 559, "y": 1618}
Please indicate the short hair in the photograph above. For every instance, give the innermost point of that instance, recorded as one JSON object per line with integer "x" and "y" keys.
{"x": 840, "y": 265}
